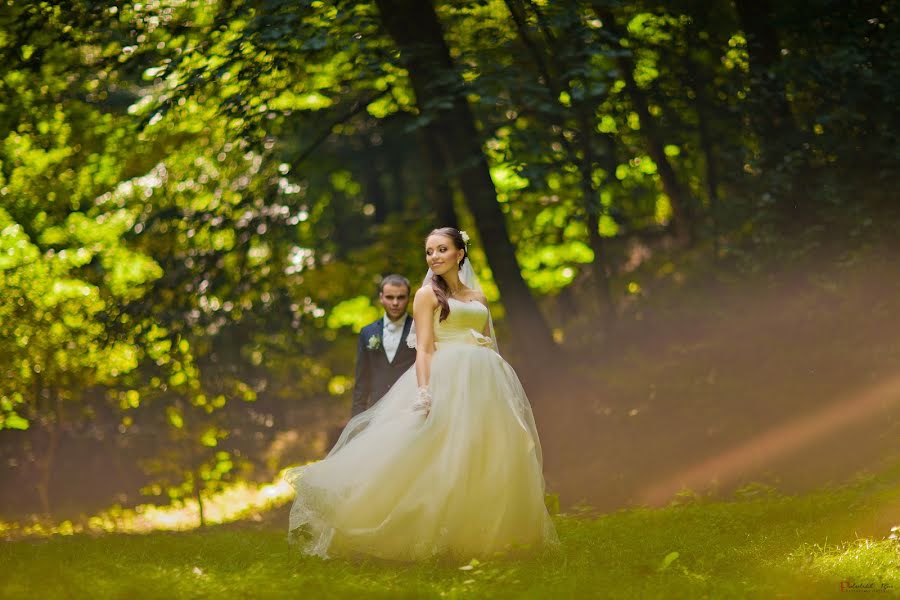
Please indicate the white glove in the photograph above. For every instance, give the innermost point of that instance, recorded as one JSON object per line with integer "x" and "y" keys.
{"x": 423, "y": 399}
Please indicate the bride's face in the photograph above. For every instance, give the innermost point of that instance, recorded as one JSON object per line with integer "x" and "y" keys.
{"x": 441, "y": 255}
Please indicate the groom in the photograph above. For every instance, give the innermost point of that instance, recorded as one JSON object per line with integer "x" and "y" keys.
{"x": 382, "y": 354}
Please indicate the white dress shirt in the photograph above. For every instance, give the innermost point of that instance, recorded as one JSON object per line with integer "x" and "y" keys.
{"x": 393, "y": 332}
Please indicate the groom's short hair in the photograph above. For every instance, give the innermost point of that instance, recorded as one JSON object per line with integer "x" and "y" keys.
{"x": 393, "y": 279}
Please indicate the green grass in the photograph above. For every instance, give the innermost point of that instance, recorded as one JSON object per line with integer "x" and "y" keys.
{"x": 765, "y": 546}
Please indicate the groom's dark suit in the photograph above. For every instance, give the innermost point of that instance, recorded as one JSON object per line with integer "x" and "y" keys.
{"x": 375, "y": 374}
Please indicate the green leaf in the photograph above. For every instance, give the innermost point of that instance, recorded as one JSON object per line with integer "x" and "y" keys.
{"x": 13, "y": 421}
{"x": 356, "y": 312}
{"x": 210, "y": 438}
{"x": 668, "y": 560}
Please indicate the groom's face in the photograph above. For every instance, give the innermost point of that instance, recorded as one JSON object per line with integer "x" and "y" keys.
{"x": 394, "y": 298}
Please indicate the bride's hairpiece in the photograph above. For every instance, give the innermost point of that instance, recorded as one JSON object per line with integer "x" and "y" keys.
{"x": 465, "y": 237}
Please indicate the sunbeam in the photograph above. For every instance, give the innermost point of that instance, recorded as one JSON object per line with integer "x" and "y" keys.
{"x": 878, "y": 401}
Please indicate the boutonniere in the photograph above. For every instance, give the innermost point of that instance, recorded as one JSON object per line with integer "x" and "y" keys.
{"x": 374, "y": 342}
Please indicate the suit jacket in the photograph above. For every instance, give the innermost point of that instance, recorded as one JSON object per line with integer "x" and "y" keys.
{"x": 375, "y": 374}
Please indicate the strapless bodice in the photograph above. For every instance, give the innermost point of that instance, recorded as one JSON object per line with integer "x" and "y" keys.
{"x": 465, "y": 323}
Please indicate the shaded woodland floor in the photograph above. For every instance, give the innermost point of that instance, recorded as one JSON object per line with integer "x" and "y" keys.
{"x": 789, "y": 380}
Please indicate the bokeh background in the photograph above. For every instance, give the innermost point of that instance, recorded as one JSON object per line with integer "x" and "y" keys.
{"x": 685, "y": 214}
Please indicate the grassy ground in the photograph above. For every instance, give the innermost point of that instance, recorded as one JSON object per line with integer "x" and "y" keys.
{"x": 759, "y": 545}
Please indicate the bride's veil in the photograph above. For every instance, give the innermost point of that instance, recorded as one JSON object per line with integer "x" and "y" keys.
{"x": 469, "y": 279}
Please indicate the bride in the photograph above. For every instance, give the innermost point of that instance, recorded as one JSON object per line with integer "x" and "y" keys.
{"x": 448, "y": 461}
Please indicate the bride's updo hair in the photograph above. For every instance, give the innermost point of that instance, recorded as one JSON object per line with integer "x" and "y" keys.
{"x": 440, "y": 287}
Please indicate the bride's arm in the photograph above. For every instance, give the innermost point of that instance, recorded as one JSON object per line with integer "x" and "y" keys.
{"x": 423, "y": 313}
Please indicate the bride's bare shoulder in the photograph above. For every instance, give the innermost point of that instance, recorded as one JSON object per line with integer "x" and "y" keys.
{"x": 425, "y": 294}
{"x": 480, "y": 297}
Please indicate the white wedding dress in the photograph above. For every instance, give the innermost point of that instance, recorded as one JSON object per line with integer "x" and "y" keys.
{"x": 463, "y": 481}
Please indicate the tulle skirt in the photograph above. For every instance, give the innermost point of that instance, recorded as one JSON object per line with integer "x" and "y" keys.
{"x": 464, "y": 481}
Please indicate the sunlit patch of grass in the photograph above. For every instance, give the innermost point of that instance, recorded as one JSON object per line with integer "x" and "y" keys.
{"x": 764, "y": 545}
{"x": 236, "y": 501}
{"x": 861, "y": 561}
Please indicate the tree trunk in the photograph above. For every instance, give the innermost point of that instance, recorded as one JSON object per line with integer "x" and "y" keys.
{"x": 712, "y": 178}
{"x": 698, "y": 81}
{"x": 200, "y": 507}
{"x": 437, "y": 184}
{"x": 773, "y": 115}
{"x": 46, "y": 462}
{"x": 590, "y": 201}
{"x": 593, "y": 209}
{"x": 371, "y": 177}
{"x": 414, "y": 26}
{"x": 398, "y": 199}
{"x": 678, "y": 197}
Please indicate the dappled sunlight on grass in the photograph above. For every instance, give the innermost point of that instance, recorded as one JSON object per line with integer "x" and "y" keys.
{"x": 764, "y": 545}
{"x": 236, "y": 501}
{"x": 872, "y": 565}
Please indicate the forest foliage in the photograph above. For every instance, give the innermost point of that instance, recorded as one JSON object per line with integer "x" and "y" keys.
{"x": 199, "y": 197}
